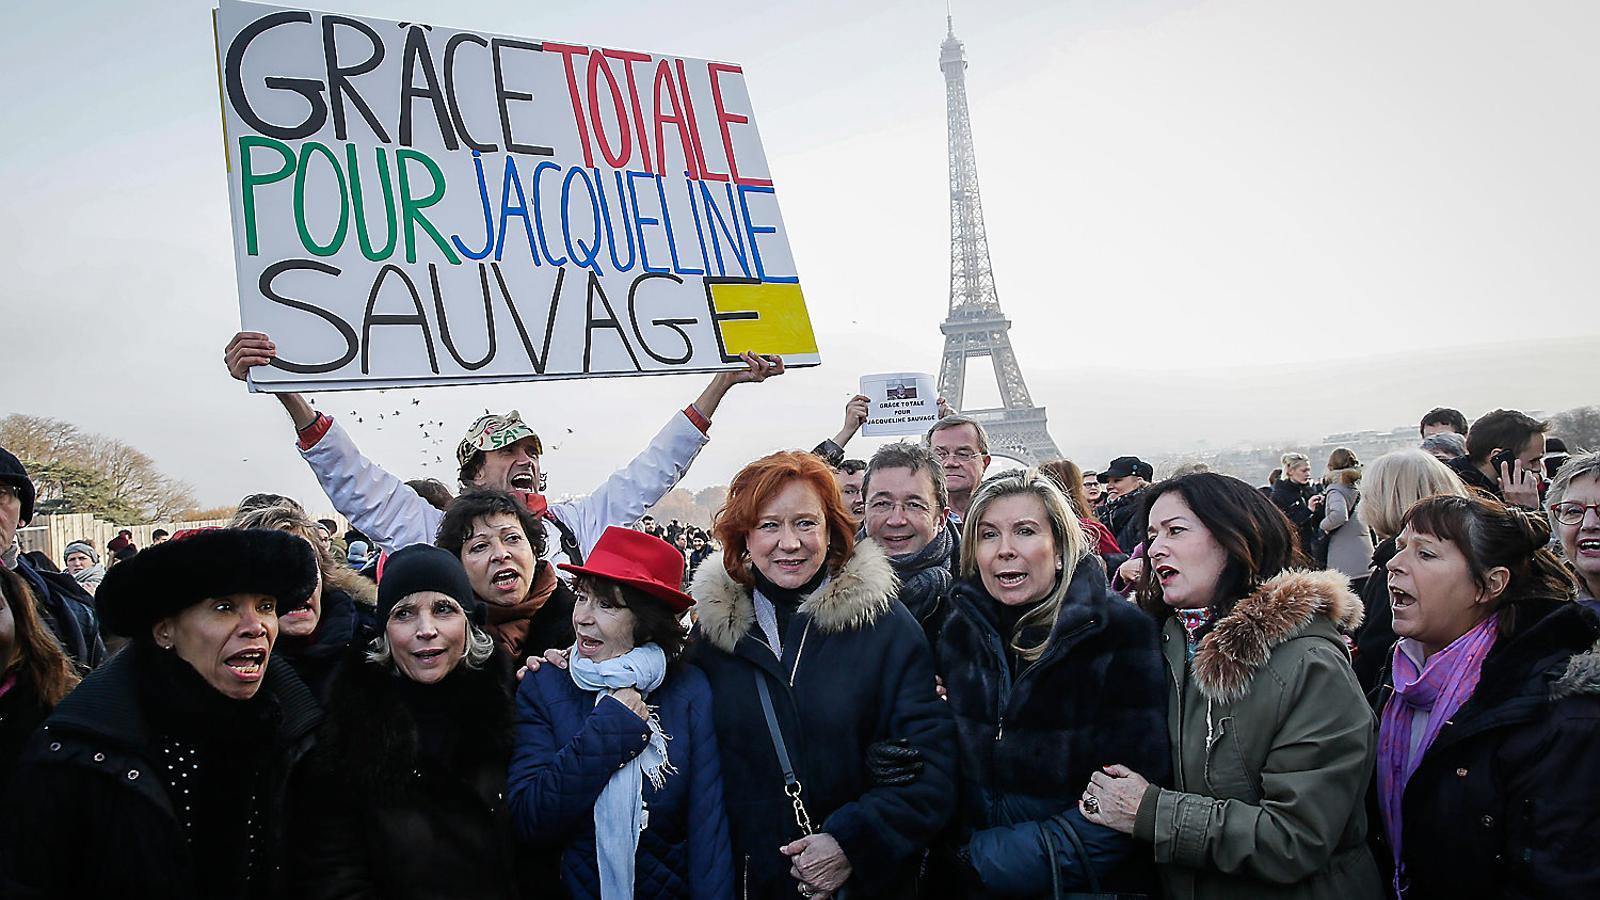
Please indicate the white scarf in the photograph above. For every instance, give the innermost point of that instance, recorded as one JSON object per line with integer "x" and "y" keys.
{"x": 619, "y": 814}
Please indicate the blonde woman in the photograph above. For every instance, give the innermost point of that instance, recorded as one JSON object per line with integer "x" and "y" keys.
{"x": 1298, "y": 498}
{"x": 1392, "y": 484}
{"x": 314, "y": 637}
{"x": 1050, "y": 677}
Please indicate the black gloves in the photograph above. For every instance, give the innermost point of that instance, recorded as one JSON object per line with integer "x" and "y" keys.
{"x": 893, "y": 763}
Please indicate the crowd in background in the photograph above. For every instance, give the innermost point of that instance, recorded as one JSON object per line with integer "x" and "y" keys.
{"x": 914, "y": 675}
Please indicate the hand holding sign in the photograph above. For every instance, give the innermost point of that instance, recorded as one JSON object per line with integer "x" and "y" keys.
{"x": 899, "y": 403}
{"x": 509, "y": 222}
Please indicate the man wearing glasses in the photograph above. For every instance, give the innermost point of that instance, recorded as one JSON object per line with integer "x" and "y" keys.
{"x": 905, "y": 495}
{"x": 962, "y": 448}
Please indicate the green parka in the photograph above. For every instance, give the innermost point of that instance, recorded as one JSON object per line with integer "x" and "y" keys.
{"x": 1272, "y": 750}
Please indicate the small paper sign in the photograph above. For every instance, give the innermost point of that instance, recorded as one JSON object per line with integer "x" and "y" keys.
{"x": 902, "y": 403}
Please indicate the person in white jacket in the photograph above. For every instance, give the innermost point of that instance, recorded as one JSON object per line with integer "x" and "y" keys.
{"x": 498, "y": 452}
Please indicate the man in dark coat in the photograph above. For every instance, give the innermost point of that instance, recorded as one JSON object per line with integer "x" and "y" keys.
{"x": 66, "y": 608}
{"x": 906, "y": 504}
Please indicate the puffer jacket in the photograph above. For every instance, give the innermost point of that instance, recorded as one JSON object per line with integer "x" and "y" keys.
{"x": 1502, "y": 803}
{"x": 1031, "y": 739}
{"x": 567, "y": 749}
{"x": 856, "y": 670}
{"x": 1273, "y": 746}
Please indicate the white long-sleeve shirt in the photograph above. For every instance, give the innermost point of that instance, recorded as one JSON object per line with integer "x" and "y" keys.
{"x": 381, "y": 505}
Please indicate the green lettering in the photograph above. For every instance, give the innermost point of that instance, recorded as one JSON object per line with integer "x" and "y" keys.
{"x": 361, "y": 208}
{"x": 306, "y": 240}
{"x": 411, "y": 207}
{"x": 249, "y": 179}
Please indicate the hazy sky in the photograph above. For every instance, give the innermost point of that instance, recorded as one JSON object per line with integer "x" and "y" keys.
{"x": 1208, "y": 220}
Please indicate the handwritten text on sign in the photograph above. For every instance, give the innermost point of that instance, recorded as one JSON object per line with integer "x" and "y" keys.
{"x": 418, "y": 205}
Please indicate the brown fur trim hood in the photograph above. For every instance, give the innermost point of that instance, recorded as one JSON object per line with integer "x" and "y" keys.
{"x": 1240, "y": 644}
{"x": 860, "y": 594}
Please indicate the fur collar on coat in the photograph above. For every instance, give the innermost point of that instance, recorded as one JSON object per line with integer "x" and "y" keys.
{"x": 856, "y": 597}
{"x": 1241, "y": 643}
{"x": 1582, "y": 676}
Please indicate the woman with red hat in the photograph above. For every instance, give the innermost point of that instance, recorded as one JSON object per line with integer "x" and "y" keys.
{"x": 615, "y": 760}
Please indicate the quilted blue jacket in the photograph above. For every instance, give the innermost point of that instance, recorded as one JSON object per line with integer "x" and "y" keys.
{"x": 568, "y": 747}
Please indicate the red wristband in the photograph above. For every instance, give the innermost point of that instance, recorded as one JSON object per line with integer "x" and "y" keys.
{"x": 311, "y": 434}
{"x": 699, "y": 421}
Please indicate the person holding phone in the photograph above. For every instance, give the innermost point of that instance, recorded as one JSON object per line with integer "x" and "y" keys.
{"x": 1505, "y": 457}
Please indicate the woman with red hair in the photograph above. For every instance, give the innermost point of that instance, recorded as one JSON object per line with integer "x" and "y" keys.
{"x": 838, "y": 757}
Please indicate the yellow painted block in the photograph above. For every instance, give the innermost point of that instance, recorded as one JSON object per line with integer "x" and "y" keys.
{"x": 782, "y": 326}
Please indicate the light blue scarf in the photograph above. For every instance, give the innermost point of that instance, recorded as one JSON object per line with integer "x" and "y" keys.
{"x": 619, "y": 814}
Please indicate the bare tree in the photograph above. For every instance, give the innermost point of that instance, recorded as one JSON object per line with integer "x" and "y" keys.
{"x": 93, "y": 473}
{"x": 1579, "y": 427}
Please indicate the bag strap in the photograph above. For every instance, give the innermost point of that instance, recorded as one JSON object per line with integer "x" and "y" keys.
{"x": 791, "y": 783}
{"x": 1083, "y": 855}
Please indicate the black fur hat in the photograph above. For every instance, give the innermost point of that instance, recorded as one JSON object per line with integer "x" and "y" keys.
{"x": 202, "y": 564}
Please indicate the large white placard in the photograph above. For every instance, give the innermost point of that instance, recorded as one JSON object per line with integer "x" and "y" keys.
{"x": 414, "y": 204}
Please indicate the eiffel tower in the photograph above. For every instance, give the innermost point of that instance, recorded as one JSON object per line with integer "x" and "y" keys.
{"x": 975, "y": 326}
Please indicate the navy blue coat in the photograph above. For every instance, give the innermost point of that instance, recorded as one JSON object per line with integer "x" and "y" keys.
{"x": 1031, "y": 739}
{"x": 855, "y": 671}
{"x": 566, "y": 750}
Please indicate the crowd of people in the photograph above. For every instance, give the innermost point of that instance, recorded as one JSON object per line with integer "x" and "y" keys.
{"x": 907, "y": 676}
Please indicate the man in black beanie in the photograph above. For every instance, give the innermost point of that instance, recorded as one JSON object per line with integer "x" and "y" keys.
{"x": 67, "y": 609}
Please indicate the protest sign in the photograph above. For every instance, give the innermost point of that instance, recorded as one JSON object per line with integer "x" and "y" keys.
{"x": 901, "y": 403}
{"x": 415, "y": 205}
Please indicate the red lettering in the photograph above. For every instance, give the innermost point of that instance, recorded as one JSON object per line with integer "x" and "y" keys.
{"x": 597, "y": 65}
{"x": 567, "y": 52}
{"x": 664, "y": 77}
{"x": 630, "y": 57}
{"x": 725, "y": 118}
{"x": 694, "y": 129}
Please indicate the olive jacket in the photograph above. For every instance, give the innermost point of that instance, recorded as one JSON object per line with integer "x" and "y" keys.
{"x": 1273, "y": 746}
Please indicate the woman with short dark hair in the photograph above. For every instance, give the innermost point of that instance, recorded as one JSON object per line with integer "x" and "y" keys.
{"x": 502, "y": 547}
{"x": 1272, "y": 740}
{"x": 403, "y": 796}
{"x": 1487, "y": 753}
{"x": 163, "y": 773}
{"x": 616, "y": 760}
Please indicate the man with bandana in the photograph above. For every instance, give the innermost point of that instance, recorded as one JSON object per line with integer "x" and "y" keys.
{"x": 499, "y": 452}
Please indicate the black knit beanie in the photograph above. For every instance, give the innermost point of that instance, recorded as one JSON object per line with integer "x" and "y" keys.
{"x": 424, "y": 567}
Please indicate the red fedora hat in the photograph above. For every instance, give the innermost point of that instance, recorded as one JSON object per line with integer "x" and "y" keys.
{"x": 638, "y": 560}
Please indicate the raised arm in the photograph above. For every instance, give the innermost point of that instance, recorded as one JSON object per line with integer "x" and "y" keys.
{"x": 376, "y": 502}
{"x": 658, "y": 468}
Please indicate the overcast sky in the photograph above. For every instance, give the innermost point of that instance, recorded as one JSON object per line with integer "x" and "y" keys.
{"x": 1209, "y": 220}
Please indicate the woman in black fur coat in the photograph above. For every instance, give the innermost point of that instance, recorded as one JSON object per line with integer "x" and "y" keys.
{"x": 1050, "y": 677}
{"x": 404, "y": 796}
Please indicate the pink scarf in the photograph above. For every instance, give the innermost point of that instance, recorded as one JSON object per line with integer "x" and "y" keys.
{"x": 1446, "y": 682}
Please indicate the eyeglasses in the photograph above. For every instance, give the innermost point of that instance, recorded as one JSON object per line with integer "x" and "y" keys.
{"x": 965, "y": 454}
{"x": 1572, "y": 513}
{"x": 883, "y": 506}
